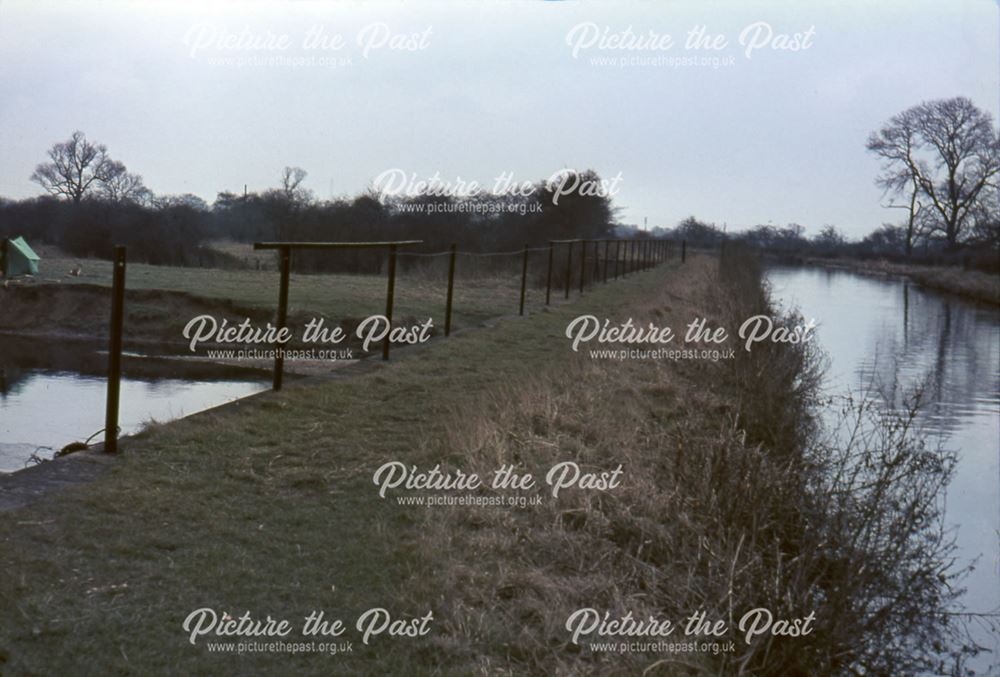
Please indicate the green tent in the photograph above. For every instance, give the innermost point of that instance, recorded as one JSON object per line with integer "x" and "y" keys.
{"x": 17, "y": 258}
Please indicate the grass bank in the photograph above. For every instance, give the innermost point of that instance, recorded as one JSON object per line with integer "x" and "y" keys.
{"x": 268, "y": 506}
{"x": 736, "y": 499}
{"x": 971, "y": 284}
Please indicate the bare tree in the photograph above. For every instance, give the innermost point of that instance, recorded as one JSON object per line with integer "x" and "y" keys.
{"x": 291, "y": 180}
{"x": 288, "y": 200}
{"x": 985, "y": 227}
{"x": 897, "y": 144}
{"x": 75, "y": 166}
{"x": 945, "y": 151}
{"x": 125, "y": 188}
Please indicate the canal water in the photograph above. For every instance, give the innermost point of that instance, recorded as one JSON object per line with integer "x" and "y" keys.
{"x": 52, "y": 393}
{"x": 896, "y": 336}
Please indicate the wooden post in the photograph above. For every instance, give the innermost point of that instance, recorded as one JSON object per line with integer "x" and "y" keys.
{"x": 618, "y": 256}
{"x": 684, "y": 250}
{"x": 569, "y": 267}
{"x": 524, "y": 278}
{"x": 548, "y": 275}
{"x": 451, "y": 290}
{"x": 3, "y": 257}
{"x": 390, "y": 292}
{"x": 607, "y": 247}
{"x": 583, "y": 263}
{"x": 285, "y": 254}
{"x": 597, "y": 262}
{"x": 632, "y": 249}
{"x": 115, "y": 353}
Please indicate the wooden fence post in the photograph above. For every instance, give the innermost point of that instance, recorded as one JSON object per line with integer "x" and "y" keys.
{"x": 569, "y": 267}
{"x": 607, "y": 247}
{"x": 524, "y": 278}
{"x": 451, "y": 289}
{"x": 684, "y": 250}
{"x": 618, "y": 256}
{"x": 115, "y": 353}
{"x": 548, "y": 275}
{"x": 285, "y": 255}
{"x": 596, "y": 275}
{"x": 390, "y": 292}
{"x": 583, "y": 263}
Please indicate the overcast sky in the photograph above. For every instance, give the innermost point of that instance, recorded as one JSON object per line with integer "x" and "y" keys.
{"x": 523, "y": 89}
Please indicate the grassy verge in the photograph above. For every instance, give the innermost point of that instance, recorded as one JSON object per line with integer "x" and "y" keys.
{"x": 163, "y": 296}
{"x": 706, "y": 448}
{"x": 971, "y": 284}
{"x": 265, "y": 506}
{"x": 735, "y": 500}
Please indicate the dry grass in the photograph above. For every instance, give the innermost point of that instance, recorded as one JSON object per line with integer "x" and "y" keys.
{"x": 731, "y": 502}
{"x": 663, "y": 544}
{"x": 971, "y": 284}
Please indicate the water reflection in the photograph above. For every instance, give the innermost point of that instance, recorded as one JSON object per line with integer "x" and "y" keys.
{"x": 892, "y": 337}
{"x": 52, "y": 393}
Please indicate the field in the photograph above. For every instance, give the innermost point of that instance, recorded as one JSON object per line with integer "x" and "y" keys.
{"x": 161, "y": 300}
{"x": 336, "y": 296}
{"x": 265, "y": 505}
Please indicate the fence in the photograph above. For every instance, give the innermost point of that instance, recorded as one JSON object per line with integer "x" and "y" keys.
{"x": 600, "y": 260}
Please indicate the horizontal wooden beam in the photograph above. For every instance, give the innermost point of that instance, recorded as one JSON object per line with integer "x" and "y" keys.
{"x": 334, "y": 245}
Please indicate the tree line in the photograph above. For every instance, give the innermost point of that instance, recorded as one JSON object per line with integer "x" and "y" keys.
{"x": 940, "y": 165}
{"x": 92, "y": 202}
